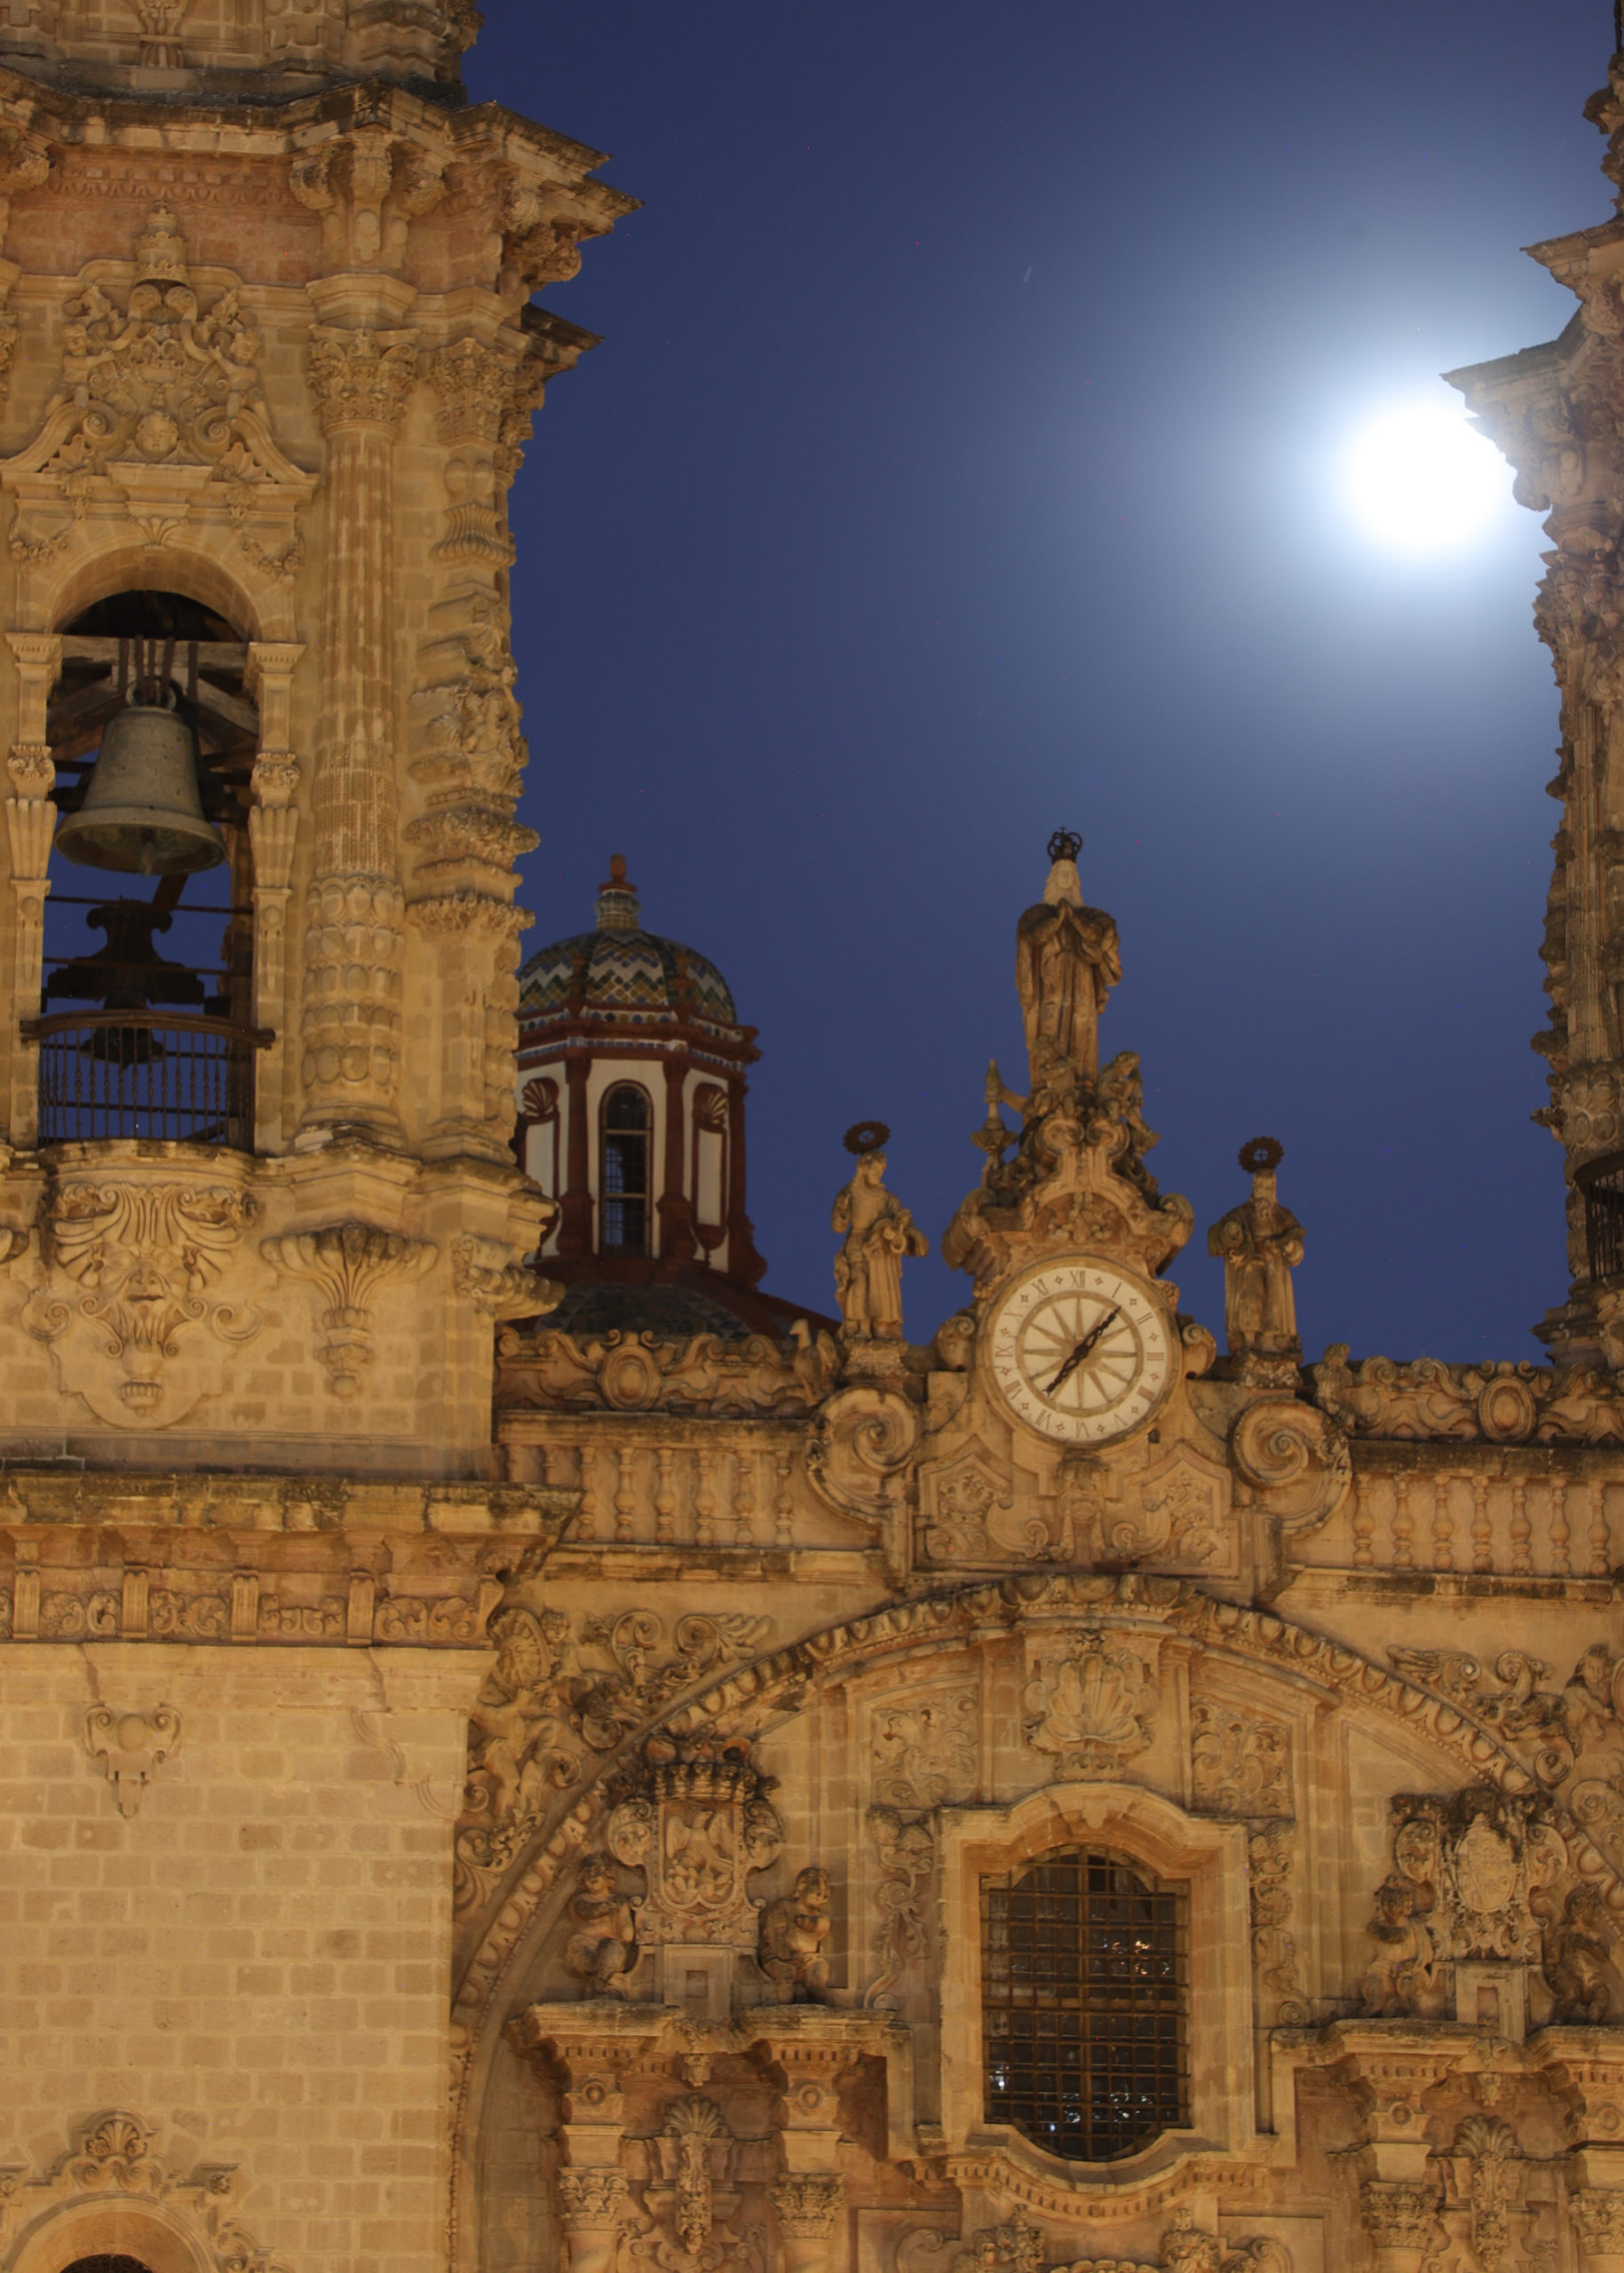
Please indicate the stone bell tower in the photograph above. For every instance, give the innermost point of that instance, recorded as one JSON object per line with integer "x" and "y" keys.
{"x": 270, "y": 356}
{"x": 1553, "y": 411}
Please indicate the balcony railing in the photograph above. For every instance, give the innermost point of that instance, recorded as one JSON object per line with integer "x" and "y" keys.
{"x": 146, "y": 1073}
{"x": 1602, "y": 1183}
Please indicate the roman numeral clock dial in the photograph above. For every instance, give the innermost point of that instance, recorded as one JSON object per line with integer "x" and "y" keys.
{"x": 1081, "y": 1351}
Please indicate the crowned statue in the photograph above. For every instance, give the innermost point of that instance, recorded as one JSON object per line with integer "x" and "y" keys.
{"x": 878, "y": 1232}
{"x": 1260, "y": 1244}
{"x": 1066, "y": 962}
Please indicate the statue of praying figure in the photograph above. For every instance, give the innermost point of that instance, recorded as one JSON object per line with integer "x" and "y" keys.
{"x": 1066, "y": 962}
{"x": 877, "y": 1231}
{"x": 1260, "y": 1243}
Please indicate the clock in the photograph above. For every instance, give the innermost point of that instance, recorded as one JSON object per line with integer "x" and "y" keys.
{"x": 1081, "y": 1351}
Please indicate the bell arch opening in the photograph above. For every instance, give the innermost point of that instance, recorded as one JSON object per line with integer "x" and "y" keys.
{"x": 146, "y": 1023}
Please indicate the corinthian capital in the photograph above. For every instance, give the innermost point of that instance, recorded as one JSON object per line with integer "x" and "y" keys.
{"x": 1598, "y": 2215}
{"x": 361, "y": 378}
{"x": 591, "y": 2200}
{"x": 807, "y": 2206}
{"x": 1399, "y": 2214}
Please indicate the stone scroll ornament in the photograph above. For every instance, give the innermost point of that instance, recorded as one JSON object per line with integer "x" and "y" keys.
{"x": 877, "y": 1231}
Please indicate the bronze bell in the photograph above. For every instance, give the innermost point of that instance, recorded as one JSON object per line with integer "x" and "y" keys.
{"x": 142, "y": 813}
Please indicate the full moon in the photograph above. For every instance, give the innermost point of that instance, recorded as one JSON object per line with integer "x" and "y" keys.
{"x": 1420, "y": 479}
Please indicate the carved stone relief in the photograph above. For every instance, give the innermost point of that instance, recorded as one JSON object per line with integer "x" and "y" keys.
{"x": 132, "y": 1747}
{"x": 348, "y": 1263}
{"x": 547, "y": 1709}
{"x": 140, "y": 1336}
{"x": 113, "y": 2160}
{"x": 1240, "y": 1760}
{"x": 1089, "y": 1704}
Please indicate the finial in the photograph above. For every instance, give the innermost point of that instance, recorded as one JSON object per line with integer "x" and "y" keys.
{"x": 617, "y": 900}
{"x": 1064, "y": 882}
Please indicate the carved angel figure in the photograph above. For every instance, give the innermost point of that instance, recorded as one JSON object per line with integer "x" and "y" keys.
{"x": 1066, "y": 962}
{"x": 603, "y": 1948}
{"x": 878, "y": 1232}
{"x": 1578, "y": 1961}
{"x": 1403, "y": 1975}
{"x": 794, "y": 1930}
{"x": 1259, "y": 1243}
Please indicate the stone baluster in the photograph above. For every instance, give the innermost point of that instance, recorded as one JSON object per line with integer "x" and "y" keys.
{"x": 1364, "y": 1522}
{"x": 273, "y": 826}
{"x": 1599, "y": 1539}
{"x": 783, "y": 1502}
{"x": 356, "y": 910}
{"x": 1404, "y": 1526}
{"x": 665, "y": 1498}
{"x": 30, "y": 824}
{"x": 1560, "y": 1535}
{"x": 1483, "y": 1529}
{"x": 1443, "y": 1524}
{"x": 1522, "y": 1531}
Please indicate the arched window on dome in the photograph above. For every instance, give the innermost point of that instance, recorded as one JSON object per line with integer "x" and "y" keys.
{"x": 623, "y": 1202}
{"x": 711, "y": 1163}
{"x": 1085, "y": 2003}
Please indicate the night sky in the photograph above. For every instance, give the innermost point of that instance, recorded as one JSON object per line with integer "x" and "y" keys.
{"x": 962, "y": 461}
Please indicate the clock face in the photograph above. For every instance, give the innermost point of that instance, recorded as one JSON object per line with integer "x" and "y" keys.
{"x": 1081, "y": 1351}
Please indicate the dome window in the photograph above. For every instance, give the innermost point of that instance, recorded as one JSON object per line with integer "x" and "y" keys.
{"x": 625, "y": 1126}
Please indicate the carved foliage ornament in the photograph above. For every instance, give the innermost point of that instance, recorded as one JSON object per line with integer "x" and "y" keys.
{"x": 639, "y": 1372}
{"x": 1017, "y": 2246}
{"x": 348, "y": 1263}
{"x": 142, "y": 1258}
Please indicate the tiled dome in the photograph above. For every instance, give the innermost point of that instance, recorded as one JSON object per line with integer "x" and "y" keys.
{"x": 623, "y": 972}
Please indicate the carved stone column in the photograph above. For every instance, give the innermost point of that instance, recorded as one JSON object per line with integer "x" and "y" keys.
{"x": 272, "y": 825}
{"x": 30, "y": 824}
{"x": 1401, "y": 2217}
{"x": 592, "y": 2203}
{"x": 807, "y": 2208}
{"x": 356, "y": 910}
{"x": 595, "y": 2047}
{"x": 743, "y": 1262}
{"x": 1598, "y": 2227}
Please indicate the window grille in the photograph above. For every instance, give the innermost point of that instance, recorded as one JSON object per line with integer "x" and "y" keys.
{"x": 1601, "y": 1184}
{"x": 1084, "y": 1962}
{"x": 625, "y": 1177}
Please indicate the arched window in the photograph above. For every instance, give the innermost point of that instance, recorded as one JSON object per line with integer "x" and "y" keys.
{"x": 107, "y": 2264}
{"x": 624, "y": 1220}
{"x": 1083, "y": 2004}
{"x": 538, "y": 1133}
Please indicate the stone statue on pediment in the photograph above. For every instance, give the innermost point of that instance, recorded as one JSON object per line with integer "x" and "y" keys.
{"x": 877, "y": 1233}
{"x": 1260, "y": 1244}
{"x": 1066, "y": 962}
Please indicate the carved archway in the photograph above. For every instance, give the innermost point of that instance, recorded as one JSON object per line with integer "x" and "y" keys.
{"x": 751, "y": 1697}
{"x": 109, "y": 2197}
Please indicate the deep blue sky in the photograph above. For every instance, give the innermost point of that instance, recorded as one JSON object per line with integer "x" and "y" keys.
{"x": 959, "y": 463}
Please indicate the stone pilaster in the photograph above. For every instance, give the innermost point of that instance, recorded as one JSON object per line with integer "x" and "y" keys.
{"x": 355, "y": 909}
{"x": 31, "y": 819}
{"x": 273, "y": 828}
{"x": 1598, "y": 2228}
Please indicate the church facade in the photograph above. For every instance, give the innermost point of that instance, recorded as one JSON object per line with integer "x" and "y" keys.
{"x": 525, "y": 1750}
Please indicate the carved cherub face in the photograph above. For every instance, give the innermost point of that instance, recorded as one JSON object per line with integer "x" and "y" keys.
{"x": 871, "y": 1168}
{"x": 812, "y": 1889}
{"x": 596, "y": 1876}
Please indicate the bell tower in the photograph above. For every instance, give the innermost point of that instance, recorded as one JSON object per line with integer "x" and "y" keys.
{"x": 268, "y": 372}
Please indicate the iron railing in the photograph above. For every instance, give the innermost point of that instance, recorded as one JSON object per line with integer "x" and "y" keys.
{"x": 146, "y": 1073}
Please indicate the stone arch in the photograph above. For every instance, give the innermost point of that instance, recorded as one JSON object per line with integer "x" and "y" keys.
{"x": 787, "y": 1680}
{"x": 195, "y": 570}
{"x": 148, "y": 2231}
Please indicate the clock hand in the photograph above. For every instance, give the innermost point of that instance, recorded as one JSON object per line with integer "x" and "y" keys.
{"x": 1081, "y": 1351}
